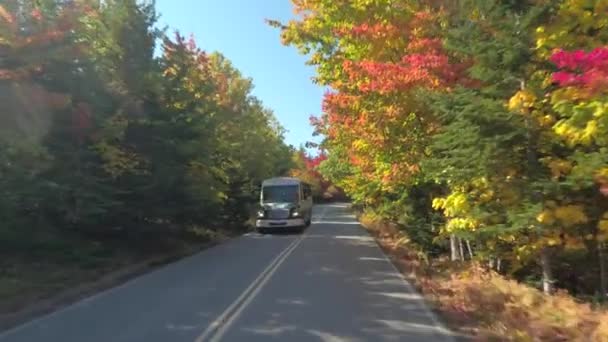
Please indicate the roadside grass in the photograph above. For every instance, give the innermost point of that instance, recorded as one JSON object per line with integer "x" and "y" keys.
{"x": 50, "y": 268}
{"x": 25, "y": 281}
{"x": 486, "y": 306}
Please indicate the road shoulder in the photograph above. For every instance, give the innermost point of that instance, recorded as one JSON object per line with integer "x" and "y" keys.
{"x": 406, "y": 265}
{"x": 40, "y": 305}
{"x": 338, "y": 285}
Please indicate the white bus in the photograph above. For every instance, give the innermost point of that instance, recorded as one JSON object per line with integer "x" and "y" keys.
{"x": 285, "y": 203}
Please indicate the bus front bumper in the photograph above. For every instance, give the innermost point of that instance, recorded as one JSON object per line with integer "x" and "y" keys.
{"x": 288, "y": 223}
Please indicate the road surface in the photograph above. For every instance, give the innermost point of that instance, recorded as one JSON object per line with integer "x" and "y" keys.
{"x": 331, "y": 283}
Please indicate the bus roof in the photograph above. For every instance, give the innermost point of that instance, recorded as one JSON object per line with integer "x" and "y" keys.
{"x": 282, "y": 181}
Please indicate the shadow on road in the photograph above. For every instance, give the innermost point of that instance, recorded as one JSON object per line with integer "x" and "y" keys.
{"x": 337, "y": 286}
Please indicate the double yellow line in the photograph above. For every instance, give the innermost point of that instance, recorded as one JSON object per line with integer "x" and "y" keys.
{"x": 218, "y": 328}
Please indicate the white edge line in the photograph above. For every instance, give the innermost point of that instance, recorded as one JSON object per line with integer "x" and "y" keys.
{"x": 438, "y": 324}
{"x": 420, "y": 299}
{"x": 25, "y": 325}
{"x": 108, "y": 291}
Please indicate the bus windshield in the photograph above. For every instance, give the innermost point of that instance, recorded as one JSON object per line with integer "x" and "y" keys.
{"x": 280, "y": 194}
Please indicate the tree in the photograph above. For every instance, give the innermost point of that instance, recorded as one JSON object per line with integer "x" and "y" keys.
{"x": 115, "y": 140}
{"x": 485, "y": 116}
{"x": 306, "y": 168}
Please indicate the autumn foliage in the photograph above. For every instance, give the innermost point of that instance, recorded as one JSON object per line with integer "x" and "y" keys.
{"x": 481, "y": 304}
{"x": 581, "y": 69}
{"x": 101, "y": 136}
{"x": 481, "y": 127}
{"x": 306, "y": 168}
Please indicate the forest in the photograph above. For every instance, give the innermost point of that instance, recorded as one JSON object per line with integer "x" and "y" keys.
{"x": 479, "y": 127}
{"x": 118, "y": 137}
{"x": 103, "y": 130}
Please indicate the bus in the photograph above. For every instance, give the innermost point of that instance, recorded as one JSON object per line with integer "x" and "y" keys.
{"x": 285, "y": 203}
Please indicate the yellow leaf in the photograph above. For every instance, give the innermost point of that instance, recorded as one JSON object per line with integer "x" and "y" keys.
{"x": 546, "y": 217}
{"x": 438, "y": 203}
{"x": 589, "y": 133}
{"x": 522, "y": 101}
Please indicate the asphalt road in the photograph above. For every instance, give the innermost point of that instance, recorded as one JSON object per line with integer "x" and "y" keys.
{"x": 331, "y": 284}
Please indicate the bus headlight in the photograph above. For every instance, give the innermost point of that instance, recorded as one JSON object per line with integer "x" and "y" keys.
{"x": 295, "y": 213}
{"x": 261, "y": 214}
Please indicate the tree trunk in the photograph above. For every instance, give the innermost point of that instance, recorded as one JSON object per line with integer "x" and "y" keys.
{"x": 461, "y": 248}
{"x": 498, "y": 265}
{"x": 600, "y": 255}
{"x": 470, "y": 249}
{"x": 545, "y": 263}
{"x": 455, "y": 253}
{"x": 491, "y": 263}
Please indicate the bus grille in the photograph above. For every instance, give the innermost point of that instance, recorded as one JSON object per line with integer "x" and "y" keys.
{"x": 278, "y": 214}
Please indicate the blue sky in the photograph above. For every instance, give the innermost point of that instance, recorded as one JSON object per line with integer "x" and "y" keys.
{"x": 236, "y": 28}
